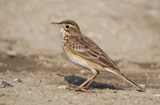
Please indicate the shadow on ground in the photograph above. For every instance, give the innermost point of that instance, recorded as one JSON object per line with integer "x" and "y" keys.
{"x": 76, "y": 80}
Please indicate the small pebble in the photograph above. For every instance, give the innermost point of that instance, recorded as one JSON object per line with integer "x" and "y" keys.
{"x": 142, "y": 85}
{"x": 3, "y": 84}
{"x": 63, "y": 87}
{"x": 29, "y": 91}
{"x": 156, "y": 95}
{"x": 17, "y": 80}
{"x": 11, "y": 54}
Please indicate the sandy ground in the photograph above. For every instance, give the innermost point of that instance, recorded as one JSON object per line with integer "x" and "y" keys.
{"x": 30, "y": 49}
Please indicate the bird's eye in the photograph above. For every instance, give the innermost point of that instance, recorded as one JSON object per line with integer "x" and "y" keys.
{"x": 67, "y": 26}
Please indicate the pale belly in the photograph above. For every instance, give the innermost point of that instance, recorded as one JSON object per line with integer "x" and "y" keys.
{"x": 77, "y": 60}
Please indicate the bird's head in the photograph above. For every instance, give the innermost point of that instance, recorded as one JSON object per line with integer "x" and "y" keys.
{"x": 69, "y": 27}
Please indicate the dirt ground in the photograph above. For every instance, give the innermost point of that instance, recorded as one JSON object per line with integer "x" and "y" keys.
{"x": 30, "y": 52}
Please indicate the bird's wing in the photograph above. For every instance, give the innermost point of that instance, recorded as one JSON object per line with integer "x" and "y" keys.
{"x": 89, "y": 50}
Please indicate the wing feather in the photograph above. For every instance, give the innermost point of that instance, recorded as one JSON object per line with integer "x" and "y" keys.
{"x": 89, "y": 50}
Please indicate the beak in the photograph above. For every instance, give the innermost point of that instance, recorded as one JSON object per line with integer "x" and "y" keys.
{"x": 56, "y": 24}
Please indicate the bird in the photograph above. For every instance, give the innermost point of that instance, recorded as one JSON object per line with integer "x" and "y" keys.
{"x": 85, "y": 53}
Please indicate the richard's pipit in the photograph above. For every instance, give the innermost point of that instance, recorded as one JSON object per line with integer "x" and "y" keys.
{"x": 85, "y": 53}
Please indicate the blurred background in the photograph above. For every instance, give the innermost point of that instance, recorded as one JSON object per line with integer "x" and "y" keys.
{"x": 125, "y": 29}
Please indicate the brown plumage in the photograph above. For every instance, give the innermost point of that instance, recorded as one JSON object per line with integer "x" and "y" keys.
{"x": 85, "y": 53}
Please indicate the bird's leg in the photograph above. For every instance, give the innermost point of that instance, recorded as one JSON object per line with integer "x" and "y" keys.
{"x": 96, "y": 74}
{"x": 81, "y": 87}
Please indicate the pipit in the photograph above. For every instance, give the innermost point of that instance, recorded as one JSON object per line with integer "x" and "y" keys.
{"x": 85, "y": 53}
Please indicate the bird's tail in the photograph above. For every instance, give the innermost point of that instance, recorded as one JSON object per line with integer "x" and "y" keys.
{"x": 117, "y": 72}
